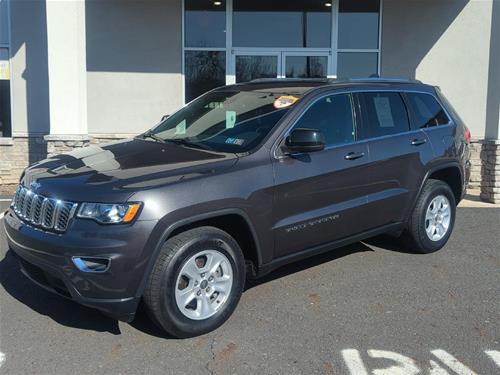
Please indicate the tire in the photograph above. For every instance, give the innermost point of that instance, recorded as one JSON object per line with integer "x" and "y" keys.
{"x": 420, "y": 230}
{"x": 191, "y": 252}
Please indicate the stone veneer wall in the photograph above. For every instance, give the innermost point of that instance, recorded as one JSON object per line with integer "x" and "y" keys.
{"x": 485, "y": 169}
{"x": 17, "y": 153}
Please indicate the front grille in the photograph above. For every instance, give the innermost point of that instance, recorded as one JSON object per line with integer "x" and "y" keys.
{"x": 47, "y": 213}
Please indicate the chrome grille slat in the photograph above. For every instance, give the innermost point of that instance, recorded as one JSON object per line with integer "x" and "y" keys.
{"x": 48, "y": 213}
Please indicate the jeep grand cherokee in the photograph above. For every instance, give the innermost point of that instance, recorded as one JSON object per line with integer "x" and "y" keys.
{"x": 240, "y": 181}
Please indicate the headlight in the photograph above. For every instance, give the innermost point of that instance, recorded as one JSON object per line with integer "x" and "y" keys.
{"x": 109, "y": 213}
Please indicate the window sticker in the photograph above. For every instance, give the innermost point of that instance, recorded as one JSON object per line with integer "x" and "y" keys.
{"x": 214, "y": 105}
{"x": 384, "y": 113}
{"x": 230, "y": 119}
{"x": 285, "y": 101}
{"x": 181, "y": 127}
{"x": 235, "y": 141}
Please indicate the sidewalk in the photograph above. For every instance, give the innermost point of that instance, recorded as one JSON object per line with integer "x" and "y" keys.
{"x": 472, "y": 200}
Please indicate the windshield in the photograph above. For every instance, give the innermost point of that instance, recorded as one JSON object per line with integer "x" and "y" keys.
{"x": 224, "y": 121}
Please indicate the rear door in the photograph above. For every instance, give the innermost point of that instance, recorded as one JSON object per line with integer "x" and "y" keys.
{"x": 398, "y": 156}
{"x": 428, "y": 115}
{"x": 319, "y": 196}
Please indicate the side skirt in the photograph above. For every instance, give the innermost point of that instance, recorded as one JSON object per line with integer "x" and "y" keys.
{"x": 281, "y": 261}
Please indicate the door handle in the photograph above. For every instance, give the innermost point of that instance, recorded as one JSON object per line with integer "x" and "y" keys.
{"x": 418, "y": 142}
{"x": 354, "y": 155}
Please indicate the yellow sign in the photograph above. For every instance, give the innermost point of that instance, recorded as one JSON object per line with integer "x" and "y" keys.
{"x": 4, "y": 70}
{"x": 285, "y": 101}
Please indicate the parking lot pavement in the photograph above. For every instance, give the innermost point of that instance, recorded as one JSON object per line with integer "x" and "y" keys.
{"x": 360, "y": 308}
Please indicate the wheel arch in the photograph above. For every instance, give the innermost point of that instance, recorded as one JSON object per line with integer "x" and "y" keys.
{"x": 234, "y": 221}
{"x": 449, "y": 173}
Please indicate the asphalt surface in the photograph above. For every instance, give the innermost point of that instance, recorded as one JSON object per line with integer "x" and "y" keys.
{"x": 364, "y": 307}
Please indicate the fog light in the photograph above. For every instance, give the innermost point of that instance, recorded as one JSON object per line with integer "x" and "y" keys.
{"x": 91, "y": 264}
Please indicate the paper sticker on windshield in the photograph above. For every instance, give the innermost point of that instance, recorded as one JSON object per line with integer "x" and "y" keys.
{"x": 284, "y": 101}
{"x": 181, "y": 127}
{"x": 230, "y": 119}
{"x": 235, "y": 141}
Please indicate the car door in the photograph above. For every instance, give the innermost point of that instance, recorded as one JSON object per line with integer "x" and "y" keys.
{"x": 319, "y": 196}
{"x": 398, "y": 156}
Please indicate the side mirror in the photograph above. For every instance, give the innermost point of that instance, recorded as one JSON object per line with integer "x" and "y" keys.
{"x": 164, "y": 117}
{"x": 304, "y": 140}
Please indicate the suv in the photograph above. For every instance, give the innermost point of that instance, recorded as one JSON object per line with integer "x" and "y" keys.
{"x": 240, "y": 181}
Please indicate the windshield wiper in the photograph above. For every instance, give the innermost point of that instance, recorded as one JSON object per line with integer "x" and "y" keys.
{"x": 150, "y": 134}
{"x": 185, "y": 142}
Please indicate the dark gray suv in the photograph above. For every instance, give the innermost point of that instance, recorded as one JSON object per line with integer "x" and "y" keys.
{"x": 242, "y": 180}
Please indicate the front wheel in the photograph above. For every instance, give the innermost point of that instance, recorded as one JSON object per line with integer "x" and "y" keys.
{"x": 196, "y": 282}
{"x": 433, "y": 217}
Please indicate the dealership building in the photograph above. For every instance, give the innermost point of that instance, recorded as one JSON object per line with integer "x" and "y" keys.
{"x": 80, "y": 72}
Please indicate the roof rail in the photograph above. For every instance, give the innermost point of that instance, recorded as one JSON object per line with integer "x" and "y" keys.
{"x": 288, "y": 79}
{"x": 383, "y": 79}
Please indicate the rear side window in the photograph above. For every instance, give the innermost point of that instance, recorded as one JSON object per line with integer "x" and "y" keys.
{"x": 384, "y": 114}
{"x": 333, "y": 116}
{"x": 426, "y": 111}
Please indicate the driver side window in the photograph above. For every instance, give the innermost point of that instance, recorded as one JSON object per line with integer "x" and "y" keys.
{"x": 333, "y": 115}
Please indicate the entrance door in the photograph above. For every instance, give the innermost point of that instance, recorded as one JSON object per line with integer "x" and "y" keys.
{"x": 305, "y": 64}
{"x": 253, "y": 65}
{"x": 249, "y": 65}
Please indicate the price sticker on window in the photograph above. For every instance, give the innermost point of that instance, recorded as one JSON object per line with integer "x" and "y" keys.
{"x": 285, "y": 101}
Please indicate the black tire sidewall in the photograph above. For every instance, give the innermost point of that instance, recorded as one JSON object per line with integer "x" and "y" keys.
{"x": 427, "y": 245}
{"x": 171, "y": 317}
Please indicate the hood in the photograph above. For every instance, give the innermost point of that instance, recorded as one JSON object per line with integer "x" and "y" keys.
{"x": 115, "y": 171}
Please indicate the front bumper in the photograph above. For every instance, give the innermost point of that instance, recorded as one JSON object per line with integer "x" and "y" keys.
{"x": 46, "y": 259}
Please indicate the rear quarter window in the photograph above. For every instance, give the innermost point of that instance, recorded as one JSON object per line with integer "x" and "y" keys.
{"x": 425, "y": 111}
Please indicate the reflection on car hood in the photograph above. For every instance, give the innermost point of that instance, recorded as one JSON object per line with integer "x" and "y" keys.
{"x": 117, "y": 170}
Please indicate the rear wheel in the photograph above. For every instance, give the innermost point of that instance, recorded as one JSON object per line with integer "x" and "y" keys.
{"x": 196, "y": 282}
{"x": 433, "y": 217}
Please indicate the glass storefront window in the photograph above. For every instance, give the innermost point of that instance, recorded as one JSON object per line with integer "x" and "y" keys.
{"x": 358, "y": 24}
{"x": 357, "y": 64}
{"x": 272, "y": 39}
{"x": 204, "y": 71}
{"x": 4, "y": 31}
{"x": 205, "y": 23}
{"x": 263, "y": 23}
{"x": 306, "y": 66}
{"x": 5, "y": 119}
{"x": 253, "y": 67}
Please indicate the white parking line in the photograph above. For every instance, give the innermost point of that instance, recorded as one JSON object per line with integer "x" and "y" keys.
{"x": 2, "y": 214}
{"x": 452, "y": 362}
{"x": 494, "y": 355}
{"x": 354, "y": 362}
{"x": 405, "y": 365}
{"x": 2, "y": 359}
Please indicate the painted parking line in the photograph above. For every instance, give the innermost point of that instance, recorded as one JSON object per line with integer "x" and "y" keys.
{"x": 2, "y": 359}
{"x": 494, "y": 355}
{"x": 2, "y": 214}
{"x": 443, "y": 364}
{"x": 452, "y": 362}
